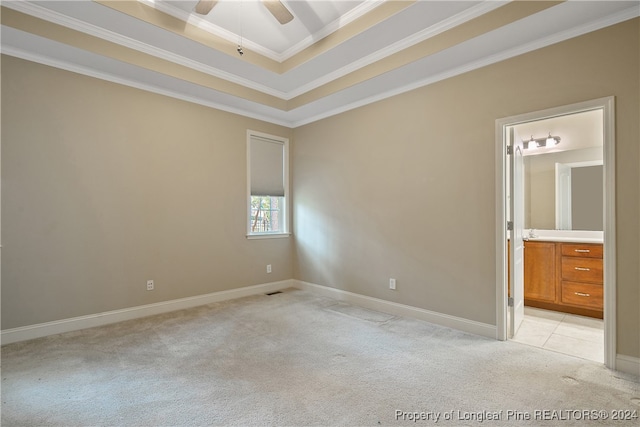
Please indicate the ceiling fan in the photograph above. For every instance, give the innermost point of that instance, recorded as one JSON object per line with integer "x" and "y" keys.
{"x": 277, "y": 9}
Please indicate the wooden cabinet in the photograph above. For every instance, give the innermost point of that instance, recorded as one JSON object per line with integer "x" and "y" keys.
{"x": 582, "y": 276}
{"x": 564, "y": 277}
{"x": 584, "y": 250}
{"x": 540, "y": 271}
{"x": 582, "y": 269}
{"x": 582, "y": 295}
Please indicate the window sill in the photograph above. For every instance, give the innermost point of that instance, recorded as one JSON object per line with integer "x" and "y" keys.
{"x": 268, "y": 236}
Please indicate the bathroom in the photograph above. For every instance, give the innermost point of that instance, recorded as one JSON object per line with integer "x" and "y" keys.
{"x": 563, "y": 232}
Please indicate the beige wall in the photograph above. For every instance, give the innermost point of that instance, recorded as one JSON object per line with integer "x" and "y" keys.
{"x": 105, "y": 186}
{"x": 404, "y": 187}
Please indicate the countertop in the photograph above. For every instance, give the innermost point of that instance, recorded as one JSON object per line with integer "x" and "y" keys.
{"x": 577, "y": 236}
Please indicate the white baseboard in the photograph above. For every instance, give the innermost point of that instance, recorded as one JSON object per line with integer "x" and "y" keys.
{"x": 624, "y": 363}
{"x": 99, "y": 319}
{"x": 461, "y": 324}
{"x": 628, "y": 364}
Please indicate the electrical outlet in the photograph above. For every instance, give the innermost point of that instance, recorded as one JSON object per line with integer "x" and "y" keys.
{"x": 268, "y": 268}
{"x": 149, "y": 285}
{"x": 392, "y": 284}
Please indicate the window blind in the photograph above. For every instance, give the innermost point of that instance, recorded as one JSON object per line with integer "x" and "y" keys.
{"x": 267, "y": 167}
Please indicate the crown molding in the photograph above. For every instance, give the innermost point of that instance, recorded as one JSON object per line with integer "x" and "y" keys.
{"x": 110, "y": 36}
{"x": 616, "y": 18}
{"x": 355, "y": 13}
{"x": 203, "y": 24}
{"x": 91, "y": 72}
{"x": 95, "y": 31}
{"x": 207, "y": 26}
{"x": 460, "y": 18}
{"x": 312, "y": 116}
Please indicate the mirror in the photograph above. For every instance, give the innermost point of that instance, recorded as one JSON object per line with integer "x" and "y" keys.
{"x": 578, "y": 202}
{"x": 579, "y": 196}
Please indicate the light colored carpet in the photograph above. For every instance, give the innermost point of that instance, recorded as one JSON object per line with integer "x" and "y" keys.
{"x": 295, "y": 358}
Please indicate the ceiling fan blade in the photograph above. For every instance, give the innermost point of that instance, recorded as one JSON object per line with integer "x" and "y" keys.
{"x": 204, "y": 6}
{"x": 278, "y": 10}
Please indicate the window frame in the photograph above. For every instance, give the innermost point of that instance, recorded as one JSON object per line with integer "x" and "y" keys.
{"x": 285, "y": 208}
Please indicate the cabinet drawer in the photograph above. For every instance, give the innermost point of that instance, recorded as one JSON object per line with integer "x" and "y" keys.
{"x": 582, "y": 250}
{"x": 582, "y": 269}
{"x": 582, "y": 294}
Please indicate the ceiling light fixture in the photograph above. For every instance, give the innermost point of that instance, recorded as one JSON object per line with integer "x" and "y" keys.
{"x": 547, "y": 141}
{"x": 240, "y": 48}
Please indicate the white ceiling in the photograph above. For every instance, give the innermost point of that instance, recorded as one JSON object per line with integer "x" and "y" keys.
{"x": 261, "y": 31}
{"x": 334, "y": 55}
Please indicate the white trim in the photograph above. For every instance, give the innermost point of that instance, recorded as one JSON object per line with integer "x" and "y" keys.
{"x": 99, "y": 319}
{"x": 268, "y": 236}
{"x": 538, "y": 44}
{"x": 609, "y": 214}
{"x": 459, "y": 323}
{"x": 355, "y": 13}
{"x": 482, "y": 8}
{"x": 93, "y": 30}
{"x": 90, "y": 29}
{"x": 119, "y": 39}
{"x": 46, "y": 14}
{"x": 628, "y": 364}
{"x": 501, "y": 231}
{"x": 607, "y": 104}
{"x": 398, "y": 46}
{"x": 203, "y": 24}
{"x": 86, "y": 71}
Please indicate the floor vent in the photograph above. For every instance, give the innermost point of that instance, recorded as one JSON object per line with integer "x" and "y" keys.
{"x": 273, "y": 293}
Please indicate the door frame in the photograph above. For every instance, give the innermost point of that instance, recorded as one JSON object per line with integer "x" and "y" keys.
{"x": 607, "y": 105}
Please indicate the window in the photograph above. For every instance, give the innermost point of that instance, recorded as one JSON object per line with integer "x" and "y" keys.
{"x": 268, "y": 182}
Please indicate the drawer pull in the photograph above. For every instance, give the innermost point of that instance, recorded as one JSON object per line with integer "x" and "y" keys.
{"x": 582, "y": 269}
{"x": 582, "y": 251}
{"x": 582, "y": 294}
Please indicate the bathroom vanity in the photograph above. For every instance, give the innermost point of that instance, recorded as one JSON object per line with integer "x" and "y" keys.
{"x": 565, "y": 274}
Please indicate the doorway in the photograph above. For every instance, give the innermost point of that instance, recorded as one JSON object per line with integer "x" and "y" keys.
{"x": 504, "y": 134}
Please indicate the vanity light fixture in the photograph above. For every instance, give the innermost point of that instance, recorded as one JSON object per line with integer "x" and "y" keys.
{"x": 531, "y": 144}
{"x": 541, "y": 142}
{"x": 552, "y": 140}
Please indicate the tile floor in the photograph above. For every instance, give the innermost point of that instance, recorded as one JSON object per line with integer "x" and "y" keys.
{"x": 564, "y": 333}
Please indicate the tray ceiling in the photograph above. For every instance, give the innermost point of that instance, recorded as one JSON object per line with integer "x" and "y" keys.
{"x": 332, "y": 57}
